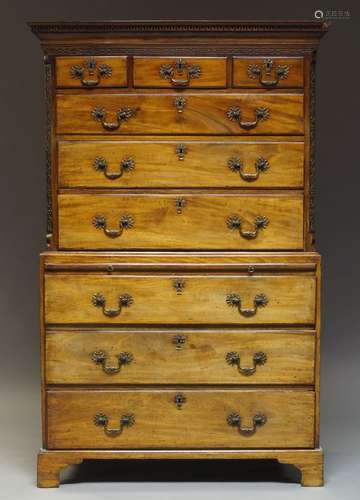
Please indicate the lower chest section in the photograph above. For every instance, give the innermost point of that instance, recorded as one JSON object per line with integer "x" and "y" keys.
{"x": 180, "y": 350}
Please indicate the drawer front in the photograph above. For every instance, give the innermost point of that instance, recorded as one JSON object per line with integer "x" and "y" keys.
{"x": 268, "y": 72}
{"x": 170, "y": 72}
{"x": 180, "y": 164}
{"x": 179, "y": 357}
{"x": 91, "y": 72}
{"x": 179, "y": 114}
{"x": 180, "y": 221}
{"x": 179, "y": 299}
{"x": 201, "y": 418}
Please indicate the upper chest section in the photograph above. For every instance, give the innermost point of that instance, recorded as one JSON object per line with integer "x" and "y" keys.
{"x": 203, "y": 108}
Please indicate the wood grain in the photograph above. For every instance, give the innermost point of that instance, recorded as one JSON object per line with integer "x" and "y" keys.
{"x": 147, "y": 72}
{"x": 201, "y": 359}
{"x": 68, "y": 298}
{"x": 295, "y": 78}
{"x": 203, "y": 223}
{"x": 118, "y": 77}
{"x": 203, "y": 113}
{"x": 157, "y": 164}
{"x": 202, "y": 420}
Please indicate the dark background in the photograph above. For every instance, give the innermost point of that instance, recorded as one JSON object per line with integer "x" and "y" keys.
{"x": 23, "y": 196}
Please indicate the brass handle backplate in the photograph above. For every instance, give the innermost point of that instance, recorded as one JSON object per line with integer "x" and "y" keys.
{"x": 98, "y": 300}
{"x": 101, "y": 165}
{"x": 234, "y": 222}
{"x": 180, "y": 73}
{"x": 125, "y": 222}
{"x": 90, "y": 73}
{"x": 126, "y": 420}
{"x": 124, "y": 114}
{"x": 233, "y": 359}
{"x": 234, "y": 420}
{"x": 268, "y": 74}
{"x": 234, "y": 300}
{"x": 100, "y": 358}
{"x": 236, "y": 165}
{"x": 234, "y": 115}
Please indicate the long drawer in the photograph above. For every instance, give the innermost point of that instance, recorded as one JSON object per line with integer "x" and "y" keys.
{"x": 181, "y": 163}
{"x": 221, "y": 418}
{"x": 186, "y": 220}
{"x": 168, "y": 298}
{"x": 178, "y": 114}
{"x": 180, "y": 357}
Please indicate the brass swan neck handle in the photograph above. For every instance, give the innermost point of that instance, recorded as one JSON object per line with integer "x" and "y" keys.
{"x": 234, "y": 420}
{"x": 260, "y": 222}
{"x": 260, "y": 164}
{"x": 268, "y": 74}
{"x": 234, "y": 114}
{"x": 180, "y": 73}
{"x": 233, "y": 359}
{"x": 124, "y": 114}
{"x": 99, "y": 300}
{"x": 125, "y": 222}
{"x": 234, "y": 300}
{"x": 90, "y": 73}
{"x": 126, "y": 420}
{"x": 100, "y": 358}
{"x": 101, "y": 165}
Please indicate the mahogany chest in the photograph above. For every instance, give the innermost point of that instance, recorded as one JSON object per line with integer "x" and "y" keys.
{"x": 180, "y": 293}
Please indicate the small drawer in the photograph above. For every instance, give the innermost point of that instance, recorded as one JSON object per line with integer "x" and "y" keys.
{"x": 179, "y": 357}
{"x": 181, "y": 72}
{"x": 268, "y": 72}
{"x": 135, "y": 298}
{"x": 179, "y": 164}
{"x": 184, "y": 220}
{"x": 172, "y": 114}
{"x": 177, "y": 418}
{"x": 91, "y": 72}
